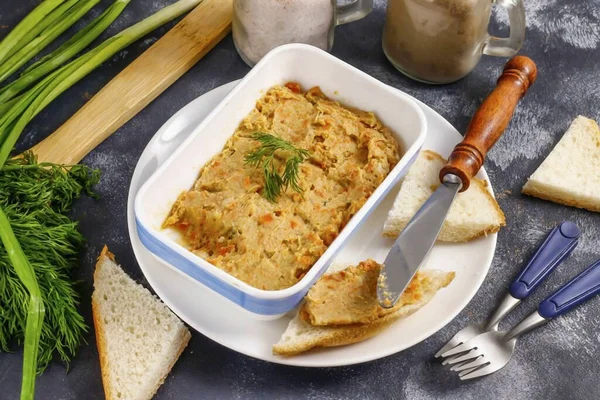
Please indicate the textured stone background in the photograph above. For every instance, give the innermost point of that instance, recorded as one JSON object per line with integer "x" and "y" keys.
{"x": 558, "y": 361}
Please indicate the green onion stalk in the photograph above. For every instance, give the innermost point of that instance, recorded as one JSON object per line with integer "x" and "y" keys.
{"x": 68, "y": 50}
{"x": 12, "y": 124}
{"x": 49, "y": 20}
{"x": 68, "y": 17}
{"x": 37, "y": 98}
{"x": 4, "y": 107}
{"x": 79, "y": 36}
{"x": 29, "y": 26}
{"x": 35, "y": 311}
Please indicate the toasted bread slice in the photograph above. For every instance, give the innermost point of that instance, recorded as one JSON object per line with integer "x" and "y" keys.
{"x": 139, "y": 339}
{"x": 570, "y": 175}
{"x": 344, "y": 297}
{"x": 301, "y": 336}
{"x": 349, "y": 297}
{"x": 474, "y": 212}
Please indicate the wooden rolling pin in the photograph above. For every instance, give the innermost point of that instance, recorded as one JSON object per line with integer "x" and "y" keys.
{"x": 138, "y": 84}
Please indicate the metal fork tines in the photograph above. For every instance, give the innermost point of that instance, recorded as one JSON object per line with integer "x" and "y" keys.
{"x": 490, "y": 351}
{"x": 470, "y": 331}
{"x": 557, "y": 246}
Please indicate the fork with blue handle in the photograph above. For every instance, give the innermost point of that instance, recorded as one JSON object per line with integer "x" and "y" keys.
{"x": 490, "y": 351}
{"x": 558, "y": 245}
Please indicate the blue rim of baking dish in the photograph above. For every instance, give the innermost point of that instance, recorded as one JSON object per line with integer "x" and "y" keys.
{"x": 253, "y": 304}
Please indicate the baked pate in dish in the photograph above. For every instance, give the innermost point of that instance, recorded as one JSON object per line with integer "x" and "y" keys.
{"x": 227, "y": 218}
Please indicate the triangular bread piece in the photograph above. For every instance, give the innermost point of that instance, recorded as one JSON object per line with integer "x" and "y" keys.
{"x": 349, "y": 296}
{"x": 301, "y": 335}
{"x": 474, "y": 212}
{"x": 139, "y": 339}
{"x": 570, "y": 174}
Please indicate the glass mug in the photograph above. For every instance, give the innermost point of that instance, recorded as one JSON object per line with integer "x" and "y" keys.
{"x": 261, "y": 25}
{"x": 441, "y": 41}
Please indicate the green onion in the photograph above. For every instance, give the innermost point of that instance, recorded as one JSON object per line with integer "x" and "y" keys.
{"x": 35, "y": 312}
{"x": 52, "y": 86}
{"x": 4, "y": 107}
{"x": 31, "y": 49}
{"x": 32, "y": 22}
{"x": 110, "y": 14}
{"x": 10, "y": 116}
{"x": 62, "y": 54}
{"x": 15, "y": 120}
{"x": 48, "y": 21}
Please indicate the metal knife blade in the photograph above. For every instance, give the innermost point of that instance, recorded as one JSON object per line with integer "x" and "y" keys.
{"x": 487, "y": 126}
{"x": 414, "y": 243}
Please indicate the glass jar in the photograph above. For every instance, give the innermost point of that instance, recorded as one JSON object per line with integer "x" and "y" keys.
{"x": 261, "y": 25}
{"x": 441, "y": 41}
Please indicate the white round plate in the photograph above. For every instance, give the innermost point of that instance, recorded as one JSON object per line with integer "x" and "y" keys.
{"x": 220, "y": 320}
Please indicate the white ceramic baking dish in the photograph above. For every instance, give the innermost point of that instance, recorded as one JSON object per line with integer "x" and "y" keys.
{"x": 310, "y": 67}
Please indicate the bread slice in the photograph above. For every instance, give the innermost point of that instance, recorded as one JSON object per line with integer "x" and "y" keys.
{"x": 300, "y": 336}
{"x": 349, "y": 296}
{"x": 139, "y": 339}
{"x": 570, "y": 174}
{"x": 474, "y": 212}
{"x": 344, "y": 297}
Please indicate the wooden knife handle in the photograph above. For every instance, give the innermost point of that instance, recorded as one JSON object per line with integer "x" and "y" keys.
{"x": 490, "y": 120}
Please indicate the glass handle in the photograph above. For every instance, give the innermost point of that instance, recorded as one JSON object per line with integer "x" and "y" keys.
{"x": 508, "y": 47}
{"x": 354, "y": 11}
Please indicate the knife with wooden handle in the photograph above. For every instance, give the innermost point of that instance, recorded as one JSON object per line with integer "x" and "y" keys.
{"x": 416, "y": 240}
{"x": 138, "y": 84}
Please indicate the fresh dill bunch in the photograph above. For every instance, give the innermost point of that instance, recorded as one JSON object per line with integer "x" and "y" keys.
{"x": 35, "y": 198}
{"x": 29, "y": 184}
{"x": 264, "y": 157}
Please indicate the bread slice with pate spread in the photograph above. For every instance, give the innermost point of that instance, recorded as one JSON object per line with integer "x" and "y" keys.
{"x": 473, "y": 213}
{"x": 342, "y": 308}
{"x": 139, "y": 339}
{"x": 570, "y": 175}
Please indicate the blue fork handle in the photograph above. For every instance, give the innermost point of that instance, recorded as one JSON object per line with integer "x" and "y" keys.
{"x": 580, "y": 289}
{"x": 557, "y": 246}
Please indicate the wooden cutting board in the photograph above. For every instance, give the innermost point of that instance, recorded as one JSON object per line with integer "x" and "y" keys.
{"x": 138, "y": 84}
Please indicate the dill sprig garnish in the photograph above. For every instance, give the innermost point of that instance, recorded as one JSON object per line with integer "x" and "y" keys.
{"x": 264, "y": 157}
{"x": 35, "y": 198}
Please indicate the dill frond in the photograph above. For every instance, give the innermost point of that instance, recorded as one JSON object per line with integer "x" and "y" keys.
{"x": 264, "y": 157}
